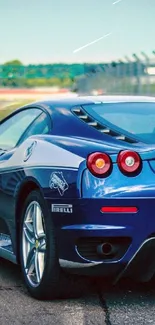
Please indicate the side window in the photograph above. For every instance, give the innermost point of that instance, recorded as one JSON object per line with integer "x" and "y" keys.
{"x": 39, "y": 126}
{"x": 12, "y": 129}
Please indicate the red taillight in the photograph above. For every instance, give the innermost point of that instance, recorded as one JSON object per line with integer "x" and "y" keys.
{"x": 99, "y": 164}
{"x": 129, "y": 161}
{"x": 119, "y": 209}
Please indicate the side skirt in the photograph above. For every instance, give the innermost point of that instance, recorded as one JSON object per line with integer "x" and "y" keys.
{"x": 6, "y": 250}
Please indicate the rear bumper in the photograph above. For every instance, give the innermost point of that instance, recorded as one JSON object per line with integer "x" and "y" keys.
{"x": 87, "y": 222}
{"x": 112, "y": 271}
{"x": 141, "y": 267}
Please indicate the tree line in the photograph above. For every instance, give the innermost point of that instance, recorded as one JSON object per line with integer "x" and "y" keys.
{"x": 15, "y": 74}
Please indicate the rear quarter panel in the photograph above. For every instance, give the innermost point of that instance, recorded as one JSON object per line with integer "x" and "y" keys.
{"x": 117, "y": 185}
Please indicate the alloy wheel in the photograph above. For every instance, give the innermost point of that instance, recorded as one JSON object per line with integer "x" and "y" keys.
{"x": 34, "y": 243}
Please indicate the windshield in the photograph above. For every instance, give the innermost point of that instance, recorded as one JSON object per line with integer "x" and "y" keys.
{"x": 135, "y": 118}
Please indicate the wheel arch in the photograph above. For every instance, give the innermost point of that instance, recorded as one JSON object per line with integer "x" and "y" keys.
{"x": 29, "y": 185}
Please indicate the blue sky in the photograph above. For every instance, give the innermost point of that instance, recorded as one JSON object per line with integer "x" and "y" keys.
{"x": 49, "y": 31}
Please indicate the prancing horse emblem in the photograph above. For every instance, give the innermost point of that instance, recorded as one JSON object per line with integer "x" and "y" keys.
{"x": 29, "y": 150}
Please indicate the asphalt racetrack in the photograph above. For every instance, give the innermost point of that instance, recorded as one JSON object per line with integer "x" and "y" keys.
{"x": 126, "y": 303}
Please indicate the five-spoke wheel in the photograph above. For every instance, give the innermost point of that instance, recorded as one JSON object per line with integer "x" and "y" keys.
{"x": 34, "y": 243}
{"x": 38, "y": 250}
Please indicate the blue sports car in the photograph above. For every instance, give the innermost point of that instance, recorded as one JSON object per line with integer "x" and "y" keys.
{"x": 77, "y": 190}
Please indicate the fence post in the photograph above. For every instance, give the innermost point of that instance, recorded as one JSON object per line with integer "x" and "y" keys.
{"x": 147, "y": 64}
{"x": 138, "y": 75}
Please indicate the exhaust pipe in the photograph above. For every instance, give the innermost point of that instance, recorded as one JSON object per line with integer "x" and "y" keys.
{"x": 107, "y": 249}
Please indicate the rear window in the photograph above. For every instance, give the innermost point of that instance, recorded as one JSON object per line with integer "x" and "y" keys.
{"x": 135, "y": 118}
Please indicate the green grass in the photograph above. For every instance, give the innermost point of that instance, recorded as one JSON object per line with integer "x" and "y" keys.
{"x": 5, "y": 111}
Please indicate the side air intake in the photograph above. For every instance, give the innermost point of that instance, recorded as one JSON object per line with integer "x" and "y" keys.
{"x": 79, "y": 112}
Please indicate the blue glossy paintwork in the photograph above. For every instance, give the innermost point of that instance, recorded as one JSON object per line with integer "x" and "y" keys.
{"x": 86, "y": 193}
{"x": 118, "y": 185}
{"x": 106, "y": 225}
{"x": 88, "y": 221}
{"x": 11, "y": 183}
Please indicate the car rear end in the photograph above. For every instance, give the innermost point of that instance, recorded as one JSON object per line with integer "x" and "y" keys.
{"x": 114, "y": 225}
{"x": 120, "y": 207}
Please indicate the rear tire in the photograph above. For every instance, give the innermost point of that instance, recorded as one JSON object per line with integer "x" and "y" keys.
{"x": 38, "y": 252}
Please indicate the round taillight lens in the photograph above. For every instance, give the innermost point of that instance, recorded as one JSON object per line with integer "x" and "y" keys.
{"x": 99, "y": 164}
{"x": 129, "y": 161}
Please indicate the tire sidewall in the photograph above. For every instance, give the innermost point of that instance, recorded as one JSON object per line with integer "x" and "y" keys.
{"x": 50, "y": 278}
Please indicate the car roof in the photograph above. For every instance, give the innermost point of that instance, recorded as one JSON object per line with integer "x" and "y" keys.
{"x": 65, "y": 123}
{"x": 81, "y": 100}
